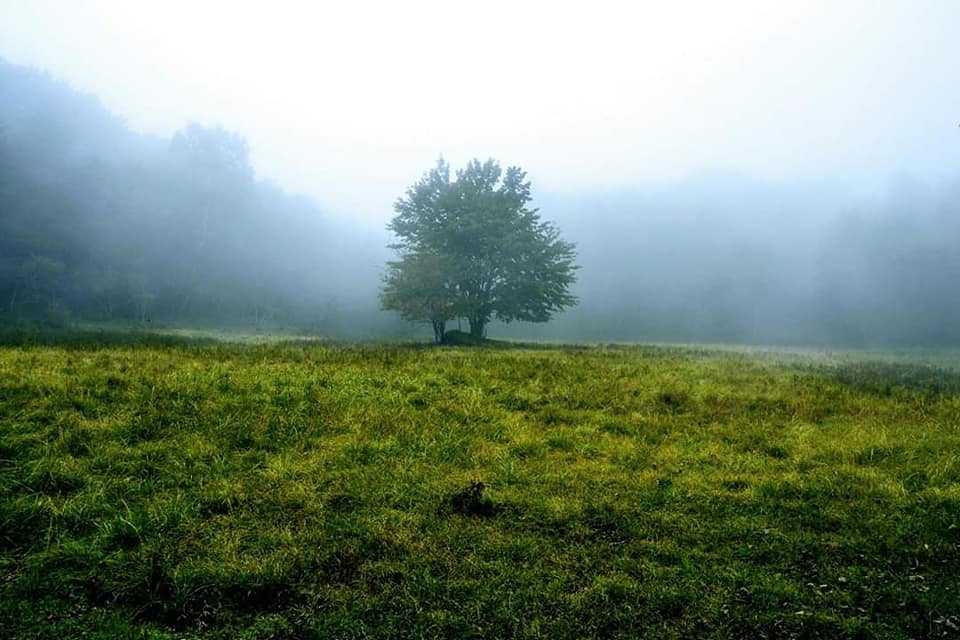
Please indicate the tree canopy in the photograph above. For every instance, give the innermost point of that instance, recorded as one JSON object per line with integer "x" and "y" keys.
{"x": 473, "y": 247}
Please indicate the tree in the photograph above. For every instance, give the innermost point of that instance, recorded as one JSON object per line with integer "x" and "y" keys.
{"x": 479, "y": 248}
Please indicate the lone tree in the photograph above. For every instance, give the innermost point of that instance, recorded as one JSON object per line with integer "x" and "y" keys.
{"x": 473, "y": 248}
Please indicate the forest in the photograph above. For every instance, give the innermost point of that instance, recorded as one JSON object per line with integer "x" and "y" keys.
{"x": 100, "y": 224}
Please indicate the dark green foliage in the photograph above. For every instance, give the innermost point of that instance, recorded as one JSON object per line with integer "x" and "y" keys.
{"x": 172, "y": 488}
{"x": 473, "y": 248}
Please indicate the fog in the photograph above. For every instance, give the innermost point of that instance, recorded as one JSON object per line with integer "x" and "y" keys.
{"x": 763, "y": 172}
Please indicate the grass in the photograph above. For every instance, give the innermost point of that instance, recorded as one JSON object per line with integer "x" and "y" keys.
{"x": 162, "y": 487}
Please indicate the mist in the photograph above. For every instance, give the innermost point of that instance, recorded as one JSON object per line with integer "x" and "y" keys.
{"x": 723, "y": 258}
{"x": 757, "y": 174}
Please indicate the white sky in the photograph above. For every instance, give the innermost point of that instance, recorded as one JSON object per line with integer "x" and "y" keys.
{"x": 349, "y": 101}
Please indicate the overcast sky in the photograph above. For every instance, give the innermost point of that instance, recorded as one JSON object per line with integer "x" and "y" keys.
{"x": 351, "y": 101}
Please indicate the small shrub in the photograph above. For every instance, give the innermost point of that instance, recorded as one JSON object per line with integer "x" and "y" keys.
{"x": 673, "y": 401}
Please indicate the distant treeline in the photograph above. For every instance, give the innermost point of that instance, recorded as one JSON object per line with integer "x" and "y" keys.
{"x": 720, "y": 258}
{"x": 100, "y": 224}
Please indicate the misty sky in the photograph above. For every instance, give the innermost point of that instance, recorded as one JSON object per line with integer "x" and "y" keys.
{"x": 350, "y": 101}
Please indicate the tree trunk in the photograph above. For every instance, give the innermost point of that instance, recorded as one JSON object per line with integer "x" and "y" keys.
{"x": 477, "y": 325}
{"x": 439, "y": 331}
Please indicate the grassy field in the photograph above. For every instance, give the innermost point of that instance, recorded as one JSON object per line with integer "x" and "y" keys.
{"x": 177, "y": 488}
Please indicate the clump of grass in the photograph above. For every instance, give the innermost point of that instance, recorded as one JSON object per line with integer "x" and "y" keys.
{"x": 673, "y": 401}
{"x": 470, "y": 501}
{"x": 180, "y": 488}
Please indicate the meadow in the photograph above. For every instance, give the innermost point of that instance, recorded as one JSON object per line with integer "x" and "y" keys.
{"x": 179, "y": 487}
